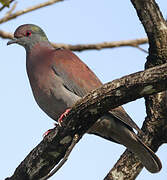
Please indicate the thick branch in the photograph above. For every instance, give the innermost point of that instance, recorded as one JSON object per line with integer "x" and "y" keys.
{"x": 155, "y": 27}
{"x": 83, "y": 115}
{"x": 148, "y": 12}
{"x": 24, "y": 11}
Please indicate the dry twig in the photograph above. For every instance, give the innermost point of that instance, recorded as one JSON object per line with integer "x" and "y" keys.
{"x": 6, "y": 35}
{"x": 97, "y": 46}
{"x": 11, "y": 10}
{"x": 142, "y": 49}
{"x": 21, "y": 12}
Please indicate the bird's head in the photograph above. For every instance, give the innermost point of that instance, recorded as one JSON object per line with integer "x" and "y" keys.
{"x": 28, "y": 35}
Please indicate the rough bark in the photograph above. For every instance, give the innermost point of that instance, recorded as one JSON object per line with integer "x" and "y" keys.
{"x": 83, "y": 115}
{"x": 154, "y": 125}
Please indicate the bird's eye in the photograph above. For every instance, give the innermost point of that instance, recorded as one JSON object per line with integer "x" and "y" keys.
{"x": 28, "y": 33}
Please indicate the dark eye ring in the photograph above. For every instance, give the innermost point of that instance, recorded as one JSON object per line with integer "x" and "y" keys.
{"x": 28, "y": 33}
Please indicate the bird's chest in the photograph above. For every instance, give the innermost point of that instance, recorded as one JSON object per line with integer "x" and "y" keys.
{"x": 49, "y": 92}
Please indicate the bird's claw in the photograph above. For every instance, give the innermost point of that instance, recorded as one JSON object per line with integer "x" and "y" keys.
{"x": 60, "y": 120}
{"x": 46, "y": 133}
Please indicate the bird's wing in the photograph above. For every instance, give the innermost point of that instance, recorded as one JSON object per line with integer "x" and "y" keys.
{"x": 121, "y": 114}
{"x": 76, "y": 76}
{"x": 79, "y": 79}
{"x": 68, "y": 83}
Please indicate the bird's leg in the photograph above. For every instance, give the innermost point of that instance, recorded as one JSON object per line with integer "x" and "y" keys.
{"x": 60, "y": 120}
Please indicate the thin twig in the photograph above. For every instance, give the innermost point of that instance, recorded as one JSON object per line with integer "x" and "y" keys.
{"x": 21, "y": 12}
{"x": 11, "y": 10}
{"x": 98, "y": 46}
{"x": 142, "y": 49}
{"x": 68, "y": 152}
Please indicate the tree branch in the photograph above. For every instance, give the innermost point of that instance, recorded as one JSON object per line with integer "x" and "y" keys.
{"x": 97, "y": 46}
{"x": 74, "y": 142}
{"x": 6, "y": 35}
{"x": 149, "y": 14}
{"x": 84, "y": 114}
{"x": 11, "y": 10}
{"x": 24, "y": 11}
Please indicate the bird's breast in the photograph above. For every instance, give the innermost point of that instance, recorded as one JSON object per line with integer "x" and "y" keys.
{"x": 49, "y": 92}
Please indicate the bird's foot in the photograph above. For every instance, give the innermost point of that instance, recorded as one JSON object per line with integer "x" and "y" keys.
{"x": 60, "y": 120}
{"x": 48, "y": 131}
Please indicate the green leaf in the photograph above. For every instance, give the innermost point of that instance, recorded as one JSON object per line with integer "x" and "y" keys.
{"x": 5, "y": 2}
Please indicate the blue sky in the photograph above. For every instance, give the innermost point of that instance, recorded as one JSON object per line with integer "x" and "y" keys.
{"x": 71, "y": 21}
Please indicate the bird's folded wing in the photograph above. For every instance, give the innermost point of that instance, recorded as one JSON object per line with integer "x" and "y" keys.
{"x": 121, "y": 114}
{"x": 68, "y": 83}
{"x": 79, "y": 79}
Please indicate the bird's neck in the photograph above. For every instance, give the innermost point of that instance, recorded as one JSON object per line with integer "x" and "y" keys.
{"x": 38, "y": 62}
{"x": 39, "y": 56}
{"x": 39, "y": 49}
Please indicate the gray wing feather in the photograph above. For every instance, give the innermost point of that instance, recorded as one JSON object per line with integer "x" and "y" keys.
{"x": 68, "y": 83}
{"x": 118, "y": 113}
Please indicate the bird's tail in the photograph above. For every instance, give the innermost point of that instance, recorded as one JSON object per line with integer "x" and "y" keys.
{"x": 113, "y": 129}
{"x": 148, "y": 158}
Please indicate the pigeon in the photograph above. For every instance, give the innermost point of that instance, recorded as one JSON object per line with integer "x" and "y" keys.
{"x": 58, "y": 79}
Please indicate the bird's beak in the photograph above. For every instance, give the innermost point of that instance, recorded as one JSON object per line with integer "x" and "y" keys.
{"x": 14, "y": 40}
